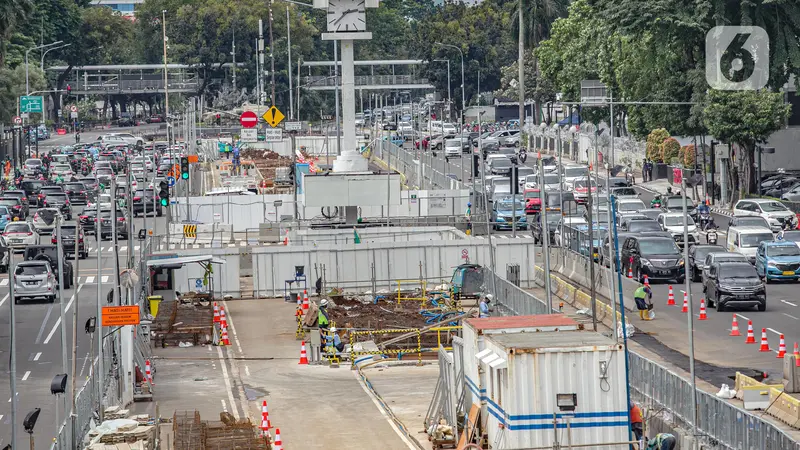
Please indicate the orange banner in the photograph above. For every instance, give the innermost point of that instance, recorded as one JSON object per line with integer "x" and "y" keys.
{"x": 115, "y": 316}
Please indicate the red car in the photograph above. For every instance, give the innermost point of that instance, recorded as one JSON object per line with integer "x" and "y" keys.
{"x": 581, "y": 190}
{"x": 533, "y": 201}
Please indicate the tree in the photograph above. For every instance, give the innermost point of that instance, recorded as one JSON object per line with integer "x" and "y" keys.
{"x": 654, "y": 141}
{"x": 744, "y": 119}
{"x": 12, "y": 13}
{"x": 12, "y": 86}
{"x": 670, "y": 149}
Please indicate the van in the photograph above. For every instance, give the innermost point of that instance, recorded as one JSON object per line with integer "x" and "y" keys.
{"x": 745, "y": 240}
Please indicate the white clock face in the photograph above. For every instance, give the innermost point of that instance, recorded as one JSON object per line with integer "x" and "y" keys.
{"x": 347, "y": 15}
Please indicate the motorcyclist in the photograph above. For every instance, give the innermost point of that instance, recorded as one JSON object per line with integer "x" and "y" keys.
{"x": 710, "y": 225}
{"x": 704, "y": 212}
{"x": 656, "y": 201}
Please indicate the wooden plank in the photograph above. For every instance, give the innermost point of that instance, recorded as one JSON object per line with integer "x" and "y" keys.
{"x": 472, "y": 420}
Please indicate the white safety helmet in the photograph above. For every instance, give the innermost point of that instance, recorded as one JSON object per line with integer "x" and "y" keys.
{"x": 489, "y": 298}
{"x": 333, "y": 329}
{"x": 323, "y": 302}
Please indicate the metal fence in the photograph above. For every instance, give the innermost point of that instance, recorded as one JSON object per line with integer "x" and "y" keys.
{"x": 421, "y": 168}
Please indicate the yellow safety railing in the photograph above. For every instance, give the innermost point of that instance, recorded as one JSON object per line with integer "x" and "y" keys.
{"x": 423, "y": 286}
{"x": 418, "y": 349}
{"x": 447, "y": 329}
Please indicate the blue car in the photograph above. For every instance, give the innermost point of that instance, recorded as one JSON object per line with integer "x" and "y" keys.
{"x": 778, "y": 260}
{"x": 503, "y": 213}
{"x": 5, "y": 216}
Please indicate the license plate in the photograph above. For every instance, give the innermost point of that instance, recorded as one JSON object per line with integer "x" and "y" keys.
{"x": 31, "y": 283}
{"x": 743, "y": 296}
{"x": 16, "y": 241}
{"x": 788, "y": 272}
{"x": 663, "y": 272}
{"x": 72, "y": 242}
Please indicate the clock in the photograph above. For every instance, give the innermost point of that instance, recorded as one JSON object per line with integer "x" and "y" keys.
{"x": 347, "y": 15}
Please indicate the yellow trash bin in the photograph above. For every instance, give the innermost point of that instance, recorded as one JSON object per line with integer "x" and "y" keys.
{"x": 154, "y": 300}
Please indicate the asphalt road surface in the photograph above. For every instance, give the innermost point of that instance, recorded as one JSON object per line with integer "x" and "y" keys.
{"x": 38, "y": 328}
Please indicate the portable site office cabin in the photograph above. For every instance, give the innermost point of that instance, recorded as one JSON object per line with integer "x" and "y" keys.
{"x": 524, "y": 363}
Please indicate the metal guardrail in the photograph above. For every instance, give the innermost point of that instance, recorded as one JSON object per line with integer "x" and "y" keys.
{"x": 316, "y": 81}
{"x": 421, "y": 168}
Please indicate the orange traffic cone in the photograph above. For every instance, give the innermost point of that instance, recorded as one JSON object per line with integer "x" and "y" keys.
{"x": 764, "y": 344}
{"x": 630, "y": 270}
{"x": 781, "y": 348}
{"x": 265, "y": 424}
{"x": 735, "y": 327}
{"x": 751, "y": 337}
{"x": 303, "y": 356}
{"x": 685, "y": 308}
{"x": 147, "y": 373}
{"x": 305, "y": 301}
{"x": 225, "y": 340}
{"x": 703, "y": 315}
{"x": 278, "y": 445}
{"x": 796, "y": 356}
{"x": 646, "y": 281}
{"x": 223, "y": 318}
{"x": 670, "y": 297}
{"x": 216, "y": 313}
{"x": 286, "y": 238}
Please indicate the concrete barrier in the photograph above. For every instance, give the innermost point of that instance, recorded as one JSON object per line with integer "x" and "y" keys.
{"x": 784, "y": 407}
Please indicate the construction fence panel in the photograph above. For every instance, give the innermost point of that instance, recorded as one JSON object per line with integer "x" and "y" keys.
{"x": 226, "y": 277}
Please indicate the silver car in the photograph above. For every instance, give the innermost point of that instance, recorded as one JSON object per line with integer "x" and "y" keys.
{"x": 44, "y": 220}
{"x": 19, "y": 235}
{"x": 34, "y": 279}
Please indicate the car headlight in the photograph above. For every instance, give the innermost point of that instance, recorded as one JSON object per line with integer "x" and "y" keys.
{"x": 681, "y": 262}
{"x": 646, "y": 262}
{"x": 501, "y": 219}
{"x": 772, "y": 264}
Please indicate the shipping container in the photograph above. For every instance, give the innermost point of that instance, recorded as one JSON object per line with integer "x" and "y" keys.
{"x": 516, "y": 369}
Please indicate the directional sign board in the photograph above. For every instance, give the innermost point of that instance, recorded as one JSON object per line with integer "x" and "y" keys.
{"x": 31, "y": 104}
{"x": 248, "y": 135}
{"x": 273, "y": 116}
{"x": 171, "y": 181}
{"x": 273, "y": 135}
{"x": 115, "y": 316}
{"x": 248, "y": 119}
{"x": 293, "y": 126}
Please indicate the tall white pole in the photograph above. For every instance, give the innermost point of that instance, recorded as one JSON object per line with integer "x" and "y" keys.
{"x": 336, "y": 81}
{"x": 99, "y": 318}
{"x": 690, "y": 317}
{"x": 62, "y": 304}
{"x": 166, "y": 90}
{"x": 289, "y": 65}
{"x": 13, "y": 356}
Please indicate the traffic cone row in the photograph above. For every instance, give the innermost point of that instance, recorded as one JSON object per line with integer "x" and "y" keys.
{"x": 764, "y": 343}
{"x": 216, "y": 313}
{"x": 703, "y": 315}
{"x": 224, "y": 327}
{"x": 305, "y": 300}
{"x": 751, "y": 339}
{"x": 265, "y": 424}
{"x": 685, "y": 308}
{"x": 735, "y": 327}
{"x": 671, "y": 297}
{"x": 303, "y": 356}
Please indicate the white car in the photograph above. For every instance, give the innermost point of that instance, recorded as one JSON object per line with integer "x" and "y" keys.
{"x": 104, "y": 200}
{"x": 629, "y": 206}
{"x": 452, "y": 147}
{"x": 567, "y": 222}
{"x": 405, "y": 129}
{"x": 31, "y": 166}
{"x": 65, "y": 170}
{"x": 148, "y": 163}
{"x": 673, "y": 223}
{"x": 44, "y": 220}
{"x": 449, "y": 128}
{"x": 121, "y": 138}
{"x": 776, "y": 214}
{"x": 497, "y": 137}
{"x": 18, "y": 235}
{"x": 572, "y": 173}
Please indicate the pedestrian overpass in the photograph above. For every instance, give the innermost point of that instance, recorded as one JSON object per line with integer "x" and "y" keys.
{"x": 365, "y": 79}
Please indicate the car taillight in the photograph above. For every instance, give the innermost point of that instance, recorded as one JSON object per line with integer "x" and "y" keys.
{"x": 53, "y": 240}
{"x": 17, "y": 207}
{"x": 121, "y": 219}
{"x": 5, "y": 234}
{"x": 136, "y": 199}
{"x": 84, "y": 217}
{"x": 36, "y": 216}
{"x": 41, "y": 196}
{"x": 24, "y": 199}
{"x": 30, "y": 233}
{"x": 80, "y": 239}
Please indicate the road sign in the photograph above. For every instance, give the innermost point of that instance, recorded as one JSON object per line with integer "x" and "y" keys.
{"x": 273, "y": 116}
{"x": 293, "y": 126}
{"x": 190, "y": 231}
{"x": 73, "y": 114}
{"x": 248, "y": 135}
{"x": 73, "y": 108}
{"x": 171, "y": 181}
{"x": 248, "y": 119}
{"x": 17, "y": 120}
{"x": 273, "y": 135}
{"x": 198, "y": 283}
{"x": 115, "y": 316}
{"x": 31, "y": 104}
{"x": 464, "y": 254}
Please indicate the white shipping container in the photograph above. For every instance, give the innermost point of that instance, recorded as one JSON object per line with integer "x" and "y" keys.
{"x": 521, "y": 371}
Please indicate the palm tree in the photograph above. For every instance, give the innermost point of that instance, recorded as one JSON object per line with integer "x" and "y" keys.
{"x": 539, "y": 16}
{"x": 12, "y": 13}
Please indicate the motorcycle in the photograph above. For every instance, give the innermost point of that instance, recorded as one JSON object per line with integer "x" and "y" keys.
{"x": 711, "y": 237}
{"x": 704, "y": 219}
{"x": 523, "y": 155}
{"x": 655, "y": 204}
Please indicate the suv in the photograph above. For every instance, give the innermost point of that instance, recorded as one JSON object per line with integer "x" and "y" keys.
{"x": 76, "y": 191}
{"x": 734, "y": 282}
{"x": 34, "y": 279}
{"x": 15, "y": 206}
{"x": 718, "y": 257}
{"x": 655, "y": 256}
{"x": 778, "y": 261}
{"x": 697, "y": 258}
{"x": 68, "y": 232}
{"x": 748, "y": 221}
{"x": 49, "y": 253}
{"x": 32, "y": 190}
{"x": 58, "y": 200}
{"x": 143, "y": 201}
{"x": 105, "y": 224}
{"x": 23, "y": 198}
{"x": 776, "y": 213}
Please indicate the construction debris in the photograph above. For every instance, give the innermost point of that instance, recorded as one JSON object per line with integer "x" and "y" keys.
{"x": 192, "y": 433}
{"x": 122, "y": 433}
{"x": 187, "y": 320}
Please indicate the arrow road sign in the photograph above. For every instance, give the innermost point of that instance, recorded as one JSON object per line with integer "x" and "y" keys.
{"x": 273, "y": 116}
{"x": 171, "y": 181}
{"x": 248, "y": 119}
{"x": 31, "y": 104}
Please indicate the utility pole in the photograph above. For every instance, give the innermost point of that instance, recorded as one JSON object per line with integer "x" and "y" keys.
{"x": 61, "y": 301}
{"x": 99, "y": 324}
{"x": 13, "y": 356}
{"x": 336, "y": 82}
{"x": 260, "y": 69}
{"x": 521, "y": 64}
{"x": 233, "y": 54}
{"x": 289, "y": 65}
{"x": 73, "y": 412}
{"x": 271, "y": 56}
{"x": 166, "y": 93}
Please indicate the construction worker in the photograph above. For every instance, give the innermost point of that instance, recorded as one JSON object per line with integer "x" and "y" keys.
{"x": 484, "y": 305}
{"x": 643, "y": 297}
{"x": 636, "y": 421}
{"x": 662, "y": 441}
{"x": 468, "y": 216}
{"x": 337, "y": 340}
{"x": 322, "y": 316}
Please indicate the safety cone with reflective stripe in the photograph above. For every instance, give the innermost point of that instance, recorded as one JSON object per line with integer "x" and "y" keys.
{"x": 735, "y": 327}
{"x": 670, "y": 297}
{"x": 796, "y": 356}
{"x": 223, "y": 318}
{"x": 751, "y": 337}
{"x": 685, "y": 308}
{"x": 216, "y": 313}
{"x": 646, "y": 281}
{"x": 303, "y": 356}
{"x": 225, "y": 340}
{"x": 147, "y": 373}
{"x": 781, "y": 348}
{"x": 286, "y": 238}
{"x": 305, "y": 299}
{"x": 703, "y": 315}
{"x": 278, "y": 444}
{"x": 764, "y": 343}
{"x": 265, "y": 424}
{"x": 630, "y": 270}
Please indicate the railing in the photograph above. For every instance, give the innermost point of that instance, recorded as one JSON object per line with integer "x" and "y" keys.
{"x": 420, "y": 168}
{"x": 137, "y": 85}
{"x": 365, "y": 80}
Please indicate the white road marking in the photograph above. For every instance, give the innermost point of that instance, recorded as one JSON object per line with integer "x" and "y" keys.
{"x": 58, "y": 322}
{"x": 788, "y": 302}
{"x": 743, "y": 317}
{"x": 233, "y": 329}
{"x": 224, "y": 406}
{"x": 104, "y": 279}
{"x": 1, "y": 417}
{"x": 774, "y": 331}
{"x": 38, "y": 355}
{"x": 27, "y": 374}
{"x": 228, "y": 387}
{"x": 383, "y": 412}
{"x": 4, "y": 282}
{"x": 789, "y": 315}
{"x": 246, "y": 370}
{"x": 90, "y": 279}
{"x": 4, "y": 299}
{"x": 136, "y": 248}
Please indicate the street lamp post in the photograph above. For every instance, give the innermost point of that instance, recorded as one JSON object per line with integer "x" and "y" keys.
{"x": 449, "y": 91}
{"x": 27, "y": 52}
{"x": 41, "y": 66}
{"x": 463, "y": 96}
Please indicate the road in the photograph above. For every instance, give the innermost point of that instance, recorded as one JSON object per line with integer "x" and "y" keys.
{"x": 39, "y": 346}
{"x": 781, "y": 317}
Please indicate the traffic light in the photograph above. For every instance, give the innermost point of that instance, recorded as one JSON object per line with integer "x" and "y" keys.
{"x": 184, "y": 168}
{"x": 163, "y": 193}
{"x": 219, "y": 120}
{"x": 69, "y": 89}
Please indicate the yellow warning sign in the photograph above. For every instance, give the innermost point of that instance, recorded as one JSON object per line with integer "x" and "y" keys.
{"x": 273, "y": 116}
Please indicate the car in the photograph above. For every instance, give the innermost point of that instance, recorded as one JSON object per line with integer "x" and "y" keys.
{"x": 32, "y": 190}
{"x": 163, "y": 168}
{"x": 674, "y": 204}
{"x": 673, "y": 223}
{"x": 126, "y": 120}
{"x": 717, "y": 257}
{"x": 778, "y": 216}
{"x": 549, "y": 181}
{"x": 77, "y": 193}
{"x": 734, "y": 283}
{"x": 449, "y": 128}
{"x": 452, "y": 147}
{"x": 60, "y": 201}
{"x": 508, "y": 152}
{"x": 15, "y": 206}
{"x": 49, "y": 253}
{"x": 104, "y": 176}
{"x": 639, "y": 225}
{"x": 5, "y": 216}
{"x": 745, "y": 240}
{"x": 629, "y": 206}
{"x": 504, "y": 210}
{"x": 90, "y": 183}
{"x": 18, "y": 235}
{"x": 533, "y": 200}
{"x": 789, "y": 236}
{"x": 499, "y": 166}
{"x": 510, "y": 141}
{"x": 523, "y": 172}
{"x": 62, "y": 170}
{"x": 154, "y": 119}
{"x": 146, "y": 201}
{"x": 623, "y": 192}
{"x": 658, "y": 257}
{"x": 778, "y": 186}
{"x": 567, "y": 224}
{"x": 535, "y": 223}
{"x": 32, "y": 167}
{"x": 87, "y": 219}
{"x": 571, "y": 173}
{"x": 581, "y": 188}
{"x": 44, "y": 220}
{"x": 106, "y": 229}
{"x": 500, "y": 188}
{"x": 615, "y": 182}
{"x": 34, "y": 279}
{"x": 144, "y": 160}
{"x": 495, "y": 138}
{"x": 778, "y": 260}
{"x": 68, "y": 232}
{"x": 130, "y": 139}
{"x": 697, "y": 259}
{"x": 748, "y": 221}
{"x": 23, "y": 198}
{"x": 405, "y": 129}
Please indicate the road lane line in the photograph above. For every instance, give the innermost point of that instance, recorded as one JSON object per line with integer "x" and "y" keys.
{"x": 105, "y": 279}
{"x": 44, "y": 323}
{"x": 89, "y": 280}
{"x": 233, "y": 329}
{"x": 4, "y": 282}
{"x": 789, "y": 315}
{"x": 789, "y": 303}
{"x": 774, "y": 331}
{"x": 4, "y": 299}
{"x": 58, "y": 322}
{"x": 743, "y": 317}
{"x": 228, "y": 386}
{"x": 27, "y": 374}
{"x": 224, "y": 406}
{"x": 38, "y": 355}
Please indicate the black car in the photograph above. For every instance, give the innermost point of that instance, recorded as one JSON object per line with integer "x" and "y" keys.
{"x": 106, "y": 227}
{"x": 68, "y": 231}
{"x": 675, "y": 204}
{"x": 734, "y": 283}
{"x": 634, "y": 225}
{"x": 89, "y": 182}
{"x": 58, "y": 200}
{"x": 697, "y": 259}
{"x": 33, "y": 189}
{"x": 658, "y": 257}
{"x": 87, "y": 220}
{"x": 144, "y": 201}
{"x": 49, "y": 253}
{"x": 22, "y": 196}
{"x": 14, "y": 206}
{"x": 604, "y": 257}
{"x": 618, "y": 182}
{"x": 76, "y": 191}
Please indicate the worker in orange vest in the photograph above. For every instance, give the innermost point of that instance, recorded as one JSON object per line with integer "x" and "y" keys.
{"x": 637, "y": 425}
